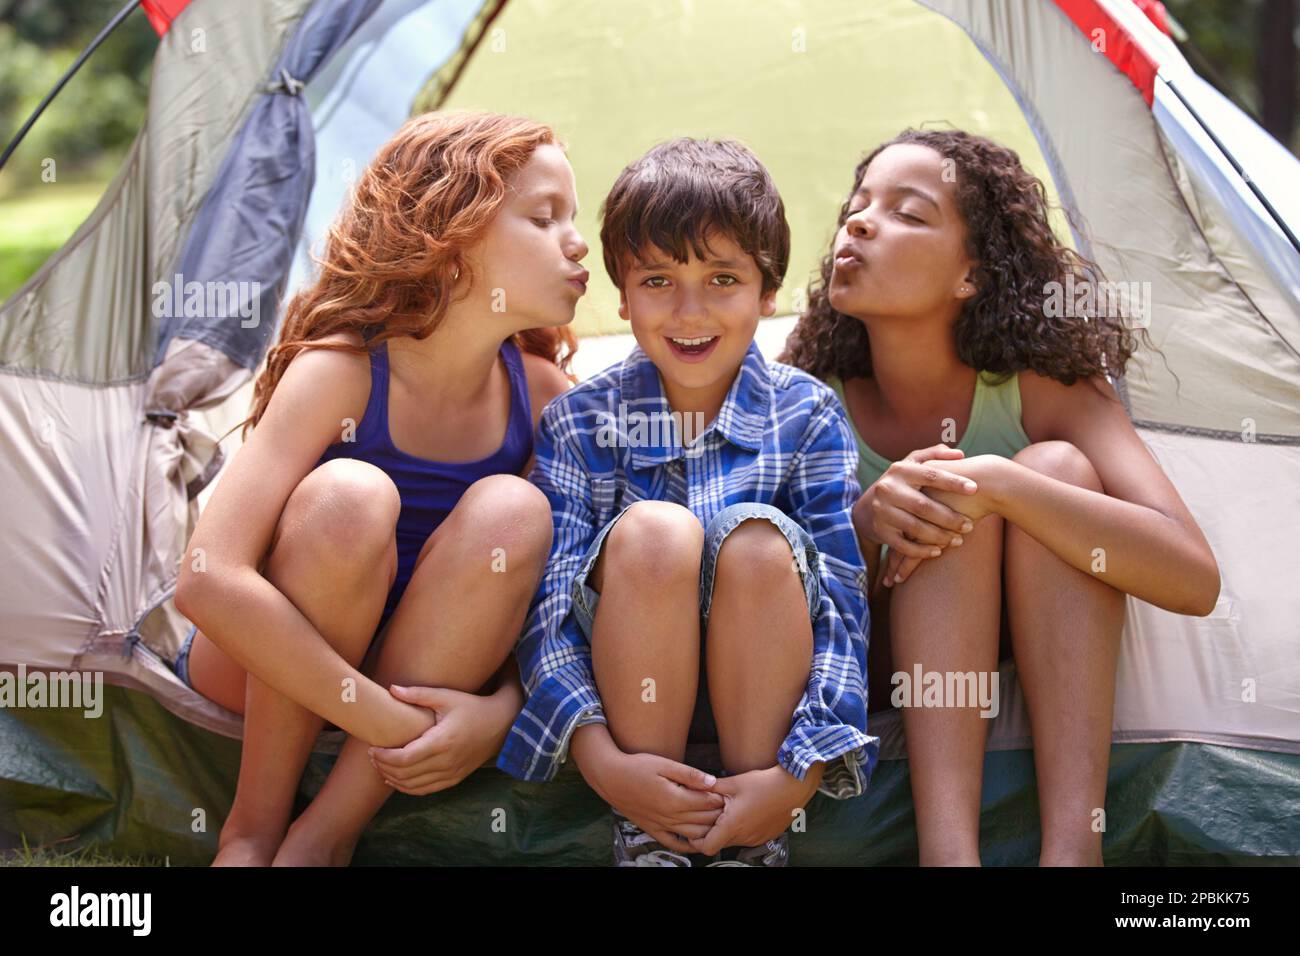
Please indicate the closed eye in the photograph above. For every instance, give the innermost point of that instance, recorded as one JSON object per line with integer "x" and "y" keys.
{"x": 543, "y": 222}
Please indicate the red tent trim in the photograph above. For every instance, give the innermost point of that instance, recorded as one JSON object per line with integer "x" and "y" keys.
{"x": 161, "y": 13}
{"x": 1121, "y": 48}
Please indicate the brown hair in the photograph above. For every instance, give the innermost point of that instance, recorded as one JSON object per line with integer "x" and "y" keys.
{"x": 1004, "y": 327}
{"x": 391, "y": 256}
{"x": 679, "y": 191}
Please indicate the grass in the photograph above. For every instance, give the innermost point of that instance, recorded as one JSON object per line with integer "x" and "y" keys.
{"x": 65, "y": 854}
{"x": 36, "y": 222}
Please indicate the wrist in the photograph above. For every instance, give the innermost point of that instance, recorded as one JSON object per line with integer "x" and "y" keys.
{"x": 509, "y": 695}
{"x": 402, "y": 723}
{"x": 593, "y": 748}
{"x": 507, "y": 703}
{"x": 861, "y": 516}
{"x": 806, "y": 787}
{"x": 997, "y": 483}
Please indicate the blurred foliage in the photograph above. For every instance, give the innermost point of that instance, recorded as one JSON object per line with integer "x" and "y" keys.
{"x": 93, "y": 121}
{"x": 1224, "y": 40}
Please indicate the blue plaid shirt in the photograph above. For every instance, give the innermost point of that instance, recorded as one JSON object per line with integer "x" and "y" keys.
{"x": 781, "y": 438}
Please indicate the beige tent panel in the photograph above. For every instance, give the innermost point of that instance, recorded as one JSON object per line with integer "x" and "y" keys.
{"x": 65, "y": 322}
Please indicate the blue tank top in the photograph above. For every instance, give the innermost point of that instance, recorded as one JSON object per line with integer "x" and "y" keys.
{"x": 430, "y": 489}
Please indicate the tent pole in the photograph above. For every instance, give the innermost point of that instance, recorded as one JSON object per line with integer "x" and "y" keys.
{"x": 1232, "y": 160}
{"x": 85, "y": 54}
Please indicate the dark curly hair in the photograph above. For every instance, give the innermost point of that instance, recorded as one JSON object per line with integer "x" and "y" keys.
{"x": 1004, "y": 328}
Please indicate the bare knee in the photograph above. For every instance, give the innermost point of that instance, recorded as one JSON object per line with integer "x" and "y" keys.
{"x": 344, "y": 512}
{"x": 756, "y": 556}
{"x": 508, "y": 513}
{"x": 1060, "y": 460}
{"x": 656, "y": 544}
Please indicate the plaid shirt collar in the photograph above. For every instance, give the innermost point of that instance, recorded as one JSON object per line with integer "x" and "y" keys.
{"x": 741, "y": 420}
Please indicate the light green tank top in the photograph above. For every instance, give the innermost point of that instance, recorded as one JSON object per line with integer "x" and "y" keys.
{"x": 994, "y": 427}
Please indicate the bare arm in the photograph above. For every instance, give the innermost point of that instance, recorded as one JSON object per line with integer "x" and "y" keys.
{"x": 545, "y": 382}
{"x": 239, "y": 609}
{"x": 1151, "y": 546}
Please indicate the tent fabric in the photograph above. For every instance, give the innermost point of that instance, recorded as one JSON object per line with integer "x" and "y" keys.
{"x": 161, "y": 13}
{"x": 85, "y": 316}
{"x": 245, "y": 232}
{"x": 111, "y": 415}
{"x": 140, "y": 781}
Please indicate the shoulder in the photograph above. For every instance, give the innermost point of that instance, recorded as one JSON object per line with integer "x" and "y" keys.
{"x": 581, "y": 407}
{"x": 327, "y": 378}
{"x": 545, "y": 381}
{"x": 1048, "y": 407}
{"x": 793, "y": 388}
{"x": 806, "y": 413}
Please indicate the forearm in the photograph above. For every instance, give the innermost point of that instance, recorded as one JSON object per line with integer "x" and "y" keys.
{"x": 1132, "y": 548}
{"x": 507, "y": 687}
{"x": 862, "y": 523}
{"x": 261, "y": 630}
{"x": 508, "y": 697}
{"x": 807, "y": 787}
{"x": 507, "y": 700}
{"x": 592, "y": 748}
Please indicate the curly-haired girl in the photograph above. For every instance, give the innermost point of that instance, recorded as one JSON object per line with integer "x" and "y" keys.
{"x": 1000, "y": 471}
{"x": 378, "y": 504}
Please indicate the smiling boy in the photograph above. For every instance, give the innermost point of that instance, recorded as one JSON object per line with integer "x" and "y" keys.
{"x": 704, "y": 586}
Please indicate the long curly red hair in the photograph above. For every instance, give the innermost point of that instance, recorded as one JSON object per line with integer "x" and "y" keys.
{"x": 391, "y": 256}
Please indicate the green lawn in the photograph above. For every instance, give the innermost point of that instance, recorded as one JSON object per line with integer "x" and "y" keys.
{"x": 36, "y": 222}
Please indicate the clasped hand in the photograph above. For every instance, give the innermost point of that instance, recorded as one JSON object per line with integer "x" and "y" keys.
{"x": 468, "y": 731}
{"x": 690, "y": 811}
{"x": 922, "y": 505}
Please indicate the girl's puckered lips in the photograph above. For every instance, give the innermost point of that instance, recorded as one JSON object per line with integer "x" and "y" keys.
{"x": 847, "y": 255}
{"x": 579, "y": 280}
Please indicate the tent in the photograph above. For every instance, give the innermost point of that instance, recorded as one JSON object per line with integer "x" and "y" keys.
{"x": 261, "y": 113}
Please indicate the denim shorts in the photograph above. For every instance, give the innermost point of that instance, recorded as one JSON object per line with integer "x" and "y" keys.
{"x": 182, "y": 665}
{"x": 585, "y": 598}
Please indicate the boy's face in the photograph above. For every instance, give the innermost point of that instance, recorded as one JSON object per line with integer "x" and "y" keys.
{"x": 695, "y": 320}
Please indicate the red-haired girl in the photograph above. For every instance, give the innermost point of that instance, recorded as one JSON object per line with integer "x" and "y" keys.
{"x": 373, "y": 547}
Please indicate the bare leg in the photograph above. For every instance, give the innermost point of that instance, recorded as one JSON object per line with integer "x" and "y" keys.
{"x": 334, "y": 557}
{"x": 459, "y": 618}
{"x": 1065, "y": 628}
{"x": 945, "y": 617}
{"x": 880, "y": 656}
{"x": 759, "y": 645}
{"x": 647, "y": 627}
